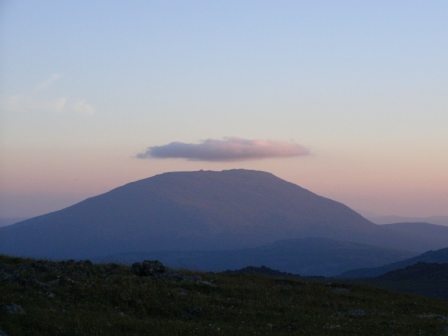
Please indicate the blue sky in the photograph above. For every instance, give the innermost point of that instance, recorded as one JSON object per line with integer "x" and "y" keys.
{"x": 87, "y": 85}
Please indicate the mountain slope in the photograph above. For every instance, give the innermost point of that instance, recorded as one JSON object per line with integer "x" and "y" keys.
{"x": 428, "y": 279}
{"x": 305, "y": 256}
{"x": 437, "y": 233}
{"x": 8, "y": 221}
{"x": 437, "y": 220}
{"x": 439, "y": 256}
{"x": 192, "y": 211}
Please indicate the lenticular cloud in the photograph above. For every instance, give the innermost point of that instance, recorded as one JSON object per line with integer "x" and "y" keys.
{"x": 227, "y": 149}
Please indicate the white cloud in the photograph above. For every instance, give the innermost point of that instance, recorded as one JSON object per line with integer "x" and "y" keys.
{"x": 227, "y": 149}
{"x": 83, "y": 107}
{"x": 47, "y": 83}
{"x": 39, "y": 100}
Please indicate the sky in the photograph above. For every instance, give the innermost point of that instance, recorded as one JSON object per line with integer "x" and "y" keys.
{"x": 346, "y": 98}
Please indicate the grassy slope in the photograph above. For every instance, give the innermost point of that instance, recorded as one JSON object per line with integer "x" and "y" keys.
{"x": 428, "y": 279}
{"x": 83, "y": 299}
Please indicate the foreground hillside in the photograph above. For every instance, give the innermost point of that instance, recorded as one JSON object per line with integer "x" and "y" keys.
{"x": 79, "y": 298}
{"x": 428, "y": 279}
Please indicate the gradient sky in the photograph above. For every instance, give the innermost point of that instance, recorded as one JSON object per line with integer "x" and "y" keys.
{"x": 362, "y": 85}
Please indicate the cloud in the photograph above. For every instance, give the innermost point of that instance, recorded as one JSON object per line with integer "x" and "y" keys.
{"x": 83, "y": 107}
{"x": 40, "y": 100}
{"x": 47, "y": 83}
{"x": 32, "y": 103}
{"x": 227, "y": 149}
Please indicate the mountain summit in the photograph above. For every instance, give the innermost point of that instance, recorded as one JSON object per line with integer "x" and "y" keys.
{"x": 193, "y": 210}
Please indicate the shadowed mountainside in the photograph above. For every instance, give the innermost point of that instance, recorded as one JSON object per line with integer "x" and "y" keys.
{"x": 4, "y": 221}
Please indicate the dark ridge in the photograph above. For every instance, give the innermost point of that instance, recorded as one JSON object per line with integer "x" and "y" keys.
{"x": 439, "y": 256}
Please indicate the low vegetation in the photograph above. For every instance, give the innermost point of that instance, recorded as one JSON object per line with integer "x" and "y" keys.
{"x": 428, "y": 279}
{"x": 80, "y": 298}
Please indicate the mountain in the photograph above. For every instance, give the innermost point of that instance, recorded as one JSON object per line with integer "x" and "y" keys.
{"x": 437, "y": 220}
{"x": 439, "y": 256}
{"x": 305, "y": 256}
{"x": 428, "y": 279}
{"x": 203, "y": 210}
{"x": 261, "y": 271}
{"x": 438, "y": 234}
{"x": 4, "y": 221}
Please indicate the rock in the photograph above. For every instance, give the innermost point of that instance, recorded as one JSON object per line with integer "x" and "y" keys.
{"x": 13, "y": 309}
{"x": 192, "y": 313}
{"x": 434, "y": 316}
{"x": 332, "y": 326}
{"x": 357, "y": 313}
{"x": 65, "y": 281}
{"x": 206, "y": 283}
{"x": 148, "y": 268}
{"x": 182, "y": 292}
{"x": 176, "y": 276}
{"x": 340, "y": 291}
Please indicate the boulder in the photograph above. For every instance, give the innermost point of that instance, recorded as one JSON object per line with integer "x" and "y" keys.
{"x": 148, "y": 268}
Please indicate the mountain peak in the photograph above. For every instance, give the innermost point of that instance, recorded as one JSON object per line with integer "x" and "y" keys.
{"x": 235, "y": 172}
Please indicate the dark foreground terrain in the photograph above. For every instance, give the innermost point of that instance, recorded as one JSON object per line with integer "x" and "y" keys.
{"x": 79, "y": 298}
{"x": 428, "y": 279}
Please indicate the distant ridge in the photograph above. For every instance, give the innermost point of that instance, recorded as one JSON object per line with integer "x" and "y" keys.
{"x": 439, "y": 256}
{"x": 305, "y": 256}
{"x": 261, "y": 270}
{"x": 437, "y": 220}
{"x": 437, "y": 233}
{"x": 203, "y": 210}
